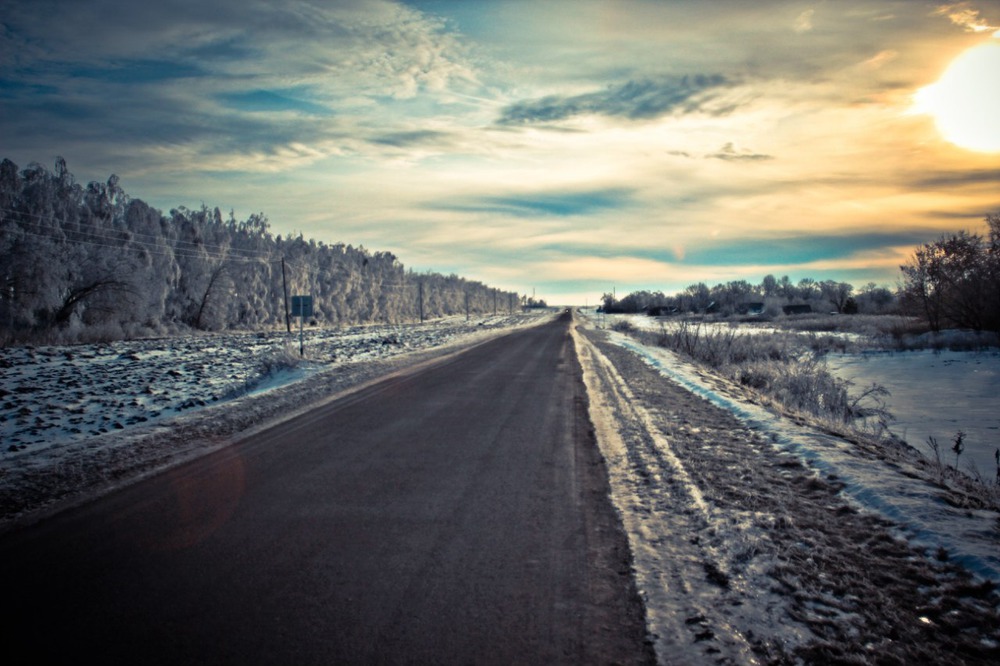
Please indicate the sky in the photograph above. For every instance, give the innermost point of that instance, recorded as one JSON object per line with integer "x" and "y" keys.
{"x": 565, "y": 149}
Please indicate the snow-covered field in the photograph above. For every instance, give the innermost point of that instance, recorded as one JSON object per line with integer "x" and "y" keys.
{"x": 53, "y": 395}
{"x": 80, "y": 417}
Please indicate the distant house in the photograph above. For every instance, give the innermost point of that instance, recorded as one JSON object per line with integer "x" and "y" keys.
{"x": 796, "y": 309}
{"x": 752, "y": 309}
{"x": 661, "y": 310}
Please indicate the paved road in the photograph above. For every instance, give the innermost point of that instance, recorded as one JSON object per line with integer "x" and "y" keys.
{"x": 458, "y": 514}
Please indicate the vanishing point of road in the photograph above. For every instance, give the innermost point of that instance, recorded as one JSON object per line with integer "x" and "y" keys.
{"x": 456, "y": 513}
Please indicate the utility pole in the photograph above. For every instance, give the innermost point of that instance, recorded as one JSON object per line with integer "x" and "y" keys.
{"x": 421, "y": 285}
{"x": 284, "y": 285}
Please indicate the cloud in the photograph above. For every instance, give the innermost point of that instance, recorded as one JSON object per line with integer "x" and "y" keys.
{"x": 953, "y": 179}
{"x": 730, "y": 153}
{"x": 964, "y": 15}
{"x": 801, "y": 249}
{"x": 644, "y": 99}
{"x": 272, "y": 101}
{"x": 880, "y": 59}
{"x": 552, "y": 203}
{"x": 406, "y": 139}
{"x": 804, "y": 21}
{"x": 230, "y": 81}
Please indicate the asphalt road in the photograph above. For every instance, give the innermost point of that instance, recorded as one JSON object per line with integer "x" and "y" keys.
{"x": 455, "y": 514}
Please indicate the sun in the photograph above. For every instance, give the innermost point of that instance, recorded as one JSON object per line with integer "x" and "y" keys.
{"x": 965, "y": 102}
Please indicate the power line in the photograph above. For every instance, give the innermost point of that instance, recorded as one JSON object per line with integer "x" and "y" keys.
{"x": 136, "y": 238}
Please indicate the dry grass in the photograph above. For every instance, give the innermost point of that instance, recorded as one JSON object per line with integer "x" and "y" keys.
{"x": 785, "y": 367}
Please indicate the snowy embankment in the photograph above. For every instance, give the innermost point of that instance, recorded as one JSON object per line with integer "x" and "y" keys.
{"x": 83, "y": 418}
{"x": 968, "y": 535}
{"x": 931, "y": 393}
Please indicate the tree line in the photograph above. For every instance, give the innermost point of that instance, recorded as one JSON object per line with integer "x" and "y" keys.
{"x": 767, "y": 297}
{"x": 953, "y": 282}
{"x": 81, "y": 262}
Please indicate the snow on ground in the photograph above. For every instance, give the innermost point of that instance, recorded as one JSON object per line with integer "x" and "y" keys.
{"x": 73, "y": 418}
{"x": 932, "y": 392}
{"x": 756, "y": 539}
{"x": 732, "y": 538}
{"x": 970, "y": 536}
{"x": 54, "y": 395}
{"x": 672, "y": 323}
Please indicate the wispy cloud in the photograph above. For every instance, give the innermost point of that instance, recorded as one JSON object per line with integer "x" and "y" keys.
{"x": 406, "y": 139}
{"x": 803, "y": 23}
{"x": 547, "y": 203}
{"x": 635, "y": 100}
{"x": 253, "y": 79}
{"x": 800, "y": 249}
{"x": 731, "y": 153}
{"x": 965, "y": 15}
{"x": 957, "y": 179}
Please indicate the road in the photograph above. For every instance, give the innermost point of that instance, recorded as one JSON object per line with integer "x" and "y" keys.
{"x": 454, "y": 514}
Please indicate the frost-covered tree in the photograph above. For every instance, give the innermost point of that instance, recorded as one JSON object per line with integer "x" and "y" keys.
{"x": 79, "y": 262}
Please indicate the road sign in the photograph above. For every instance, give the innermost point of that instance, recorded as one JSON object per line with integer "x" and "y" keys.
{"x": 302, "y": 306}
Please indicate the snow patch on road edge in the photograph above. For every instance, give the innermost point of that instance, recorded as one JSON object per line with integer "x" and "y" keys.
{"x": 670, "y": 570}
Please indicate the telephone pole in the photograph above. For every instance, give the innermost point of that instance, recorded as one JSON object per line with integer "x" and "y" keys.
{"x": 420, "y": 283}
{"x": 284, "y": 285}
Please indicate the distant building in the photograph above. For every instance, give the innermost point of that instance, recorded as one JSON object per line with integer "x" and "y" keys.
{"x": 796, "y": 309}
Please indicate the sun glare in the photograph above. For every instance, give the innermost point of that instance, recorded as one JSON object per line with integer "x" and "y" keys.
{"x": 965, "y": 102}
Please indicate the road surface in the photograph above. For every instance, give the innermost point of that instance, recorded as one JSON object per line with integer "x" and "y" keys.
{"x": 455, "y": 514}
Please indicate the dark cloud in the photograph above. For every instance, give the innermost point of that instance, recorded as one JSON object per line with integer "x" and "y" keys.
{"x": 138, "y": 71}
{"x": 99, "y": 80}
{"x": 272, "y": 101}
{"x": 948, "y": 179}
{"x": 635, "y": 100}
{"x": 801, "y": 249}
{"x": 411, "y": 138}
{"x": 559, "y": 203}
{"x": 758, "y": 251}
